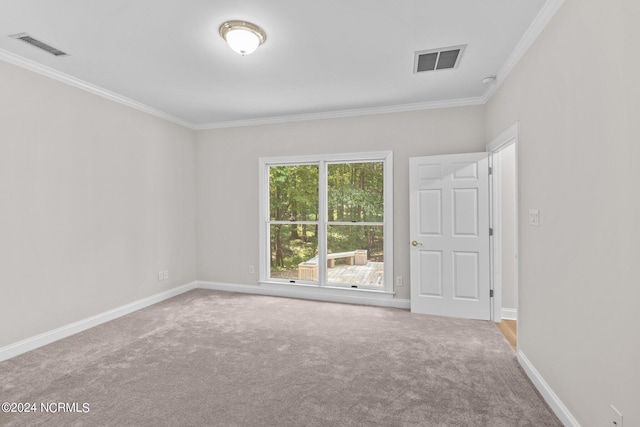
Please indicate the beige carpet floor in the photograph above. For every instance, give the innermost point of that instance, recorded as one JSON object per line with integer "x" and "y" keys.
{"x": 208, "y": 358}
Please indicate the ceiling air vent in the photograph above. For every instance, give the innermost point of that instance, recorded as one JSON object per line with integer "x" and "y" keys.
{"x": 438, "y": 59}
{"x": 37, "y": 43}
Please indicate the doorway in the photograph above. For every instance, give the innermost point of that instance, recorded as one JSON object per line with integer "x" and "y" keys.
{"x": 447, "y": 192}
{"x": 504, "y": 217}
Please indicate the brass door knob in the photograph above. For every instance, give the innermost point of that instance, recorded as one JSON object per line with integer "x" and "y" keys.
{"x": 414, "y": 243}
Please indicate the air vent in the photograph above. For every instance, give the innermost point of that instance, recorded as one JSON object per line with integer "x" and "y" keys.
{"x": 37, "y": 43}
{"x": 437, "y": 59}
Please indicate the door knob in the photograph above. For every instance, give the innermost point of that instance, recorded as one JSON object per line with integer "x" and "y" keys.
{"x": 414, "y": 243}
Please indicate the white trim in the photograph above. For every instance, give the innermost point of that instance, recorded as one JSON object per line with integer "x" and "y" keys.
{"x": 104, "y": 93}
{"x": 348, "y": 296}
{"x": 330, "y": 158}
{"x": 502, "y": 141}
{"x": 339, "y": 295}
{"x": 89, "y": 87}
{"x": 323, "y": 160}
{"x": 509, "y": 313}
{"x": 552, "y": 399}
{"x": 388, "y": 198}
{"x": 541, "y": 20}
{"x": 355, "y": 112}
{"x": 506, "y": 137}
{"x": 495, "y": 242}
{"x": 40, "y": 340}
{"x": 539, "y": 23}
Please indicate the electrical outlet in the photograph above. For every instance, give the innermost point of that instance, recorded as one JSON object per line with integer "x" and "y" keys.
{"x": 160, "y": 275}
{"x": 616, "y": 417}
{"x": 165, "y": 275}
{"x": 399, "y": 281}
{"x": 252, "y": 270}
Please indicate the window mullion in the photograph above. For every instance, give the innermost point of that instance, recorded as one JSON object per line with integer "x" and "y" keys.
{"x": 322, "y": 223}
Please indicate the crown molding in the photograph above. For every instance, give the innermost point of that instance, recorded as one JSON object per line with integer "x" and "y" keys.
{"x": 463, "y": 102}
{"x": 541, "y": 20}
{"x": 539, "y": 23}
{"x": 88, "y": 87}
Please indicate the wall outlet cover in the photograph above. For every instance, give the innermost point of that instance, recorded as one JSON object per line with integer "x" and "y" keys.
{"x": 616, "y": 417}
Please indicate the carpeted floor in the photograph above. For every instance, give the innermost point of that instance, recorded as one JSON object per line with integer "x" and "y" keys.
{"x": 208, "y": 358}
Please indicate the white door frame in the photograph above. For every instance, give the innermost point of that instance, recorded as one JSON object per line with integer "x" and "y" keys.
{"x": 504, "y": 140}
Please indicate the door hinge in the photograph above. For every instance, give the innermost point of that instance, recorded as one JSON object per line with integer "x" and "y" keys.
{"x": 490, "y": 171}
{"x": 491, "y": 293}
{"x": 491, "y": 232}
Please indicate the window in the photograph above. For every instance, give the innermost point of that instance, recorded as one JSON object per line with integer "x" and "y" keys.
{"x": 326, "y": 221}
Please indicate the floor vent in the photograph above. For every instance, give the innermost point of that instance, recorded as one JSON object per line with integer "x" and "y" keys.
{"x": 437, "y": 59}
{"x": 37, "y": 43}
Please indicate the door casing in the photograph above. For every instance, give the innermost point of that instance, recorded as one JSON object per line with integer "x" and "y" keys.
{"x": 504, "y": 140}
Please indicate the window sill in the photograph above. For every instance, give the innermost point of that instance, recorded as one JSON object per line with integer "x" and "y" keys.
{"x": 333, "y": 294}
{"x": 326, "y": 287}
{"x": 314, "y": 292}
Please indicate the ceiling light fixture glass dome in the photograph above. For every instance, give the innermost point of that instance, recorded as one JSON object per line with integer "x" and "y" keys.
{"x": 243, "y": 37}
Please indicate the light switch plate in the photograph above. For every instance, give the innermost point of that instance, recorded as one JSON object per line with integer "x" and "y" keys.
{"x": 534, "y": 217}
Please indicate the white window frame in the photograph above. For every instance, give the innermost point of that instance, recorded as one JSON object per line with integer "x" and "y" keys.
{"x": 386, "y": 157}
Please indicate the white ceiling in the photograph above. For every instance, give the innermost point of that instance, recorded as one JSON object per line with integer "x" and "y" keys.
{"x": 320, "y": 55}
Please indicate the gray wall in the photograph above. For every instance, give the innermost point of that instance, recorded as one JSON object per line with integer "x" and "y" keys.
{"x": 576, "y": 95}
{"x": 228, "y": 176}
{"x": 95, "y": 199}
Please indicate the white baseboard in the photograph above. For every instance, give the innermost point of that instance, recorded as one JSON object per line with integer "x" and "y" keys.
{"x": 32, "y": 343}
{"x": 344, "y": 296}
{"x": 547, "y": 393}
{"x": 348, "y": 296}
{"x": 509, "y": 313}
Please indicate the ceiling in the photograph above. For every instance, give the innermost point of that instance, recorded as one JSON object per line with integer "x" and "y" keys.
{"x": 319, "y": 57}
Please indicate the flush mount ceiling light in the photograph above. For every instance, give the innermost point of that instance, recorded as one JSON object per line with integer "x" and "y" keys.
{"x": 243, "y": 37}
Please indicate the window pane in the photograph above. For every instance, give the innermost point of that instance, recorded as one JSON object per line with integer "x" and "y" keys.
{"x": 355, "y": 192}
{"x": 355, "y": 255}
{"x": 294, "y": 251}
{"x": 293, "y": 193}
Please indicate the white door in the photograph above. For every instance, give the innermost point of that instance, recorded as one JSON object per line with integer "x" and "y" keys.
{"x": 449, "y": 227}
